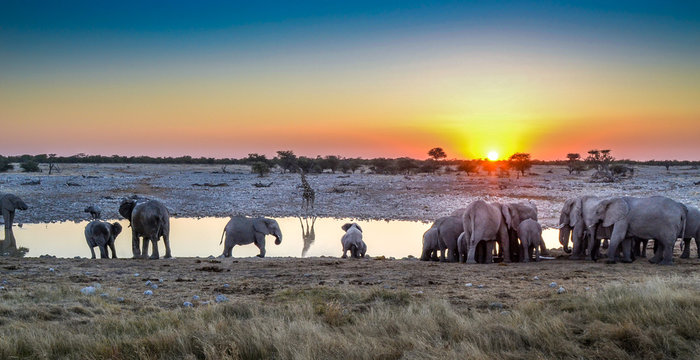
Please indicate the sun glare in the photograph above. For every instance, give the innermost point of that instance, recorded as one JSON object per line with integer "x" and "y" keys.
{"x": 492, "y": 155}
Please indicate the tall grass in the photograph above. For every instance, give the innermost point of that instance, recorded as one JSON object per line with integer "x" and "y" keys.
{"x": 655, "y": 319}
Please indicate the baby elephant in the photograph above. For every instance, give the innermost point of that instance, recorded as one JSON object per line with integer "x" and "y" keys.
{"x": 530, "y": 234}
{"x": 431, "y": 245}
{"x": 102, "y": 234}
{"x": 352, "y": 240}
{"x": 94, "y": 211}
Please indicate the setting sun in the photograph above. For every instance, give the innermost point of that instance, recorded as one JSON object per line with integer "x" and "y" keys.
{"x": 492, "y": 155}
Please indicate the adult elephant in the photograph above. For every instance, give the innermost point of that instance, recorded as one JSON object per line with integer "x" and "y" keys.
{"x": 9, "y": 203}
{"x": 149, "y": 219}
{"x": 102, "y": 234}
{"x": 692, "y": 231}
{"x": 431, "y": 245}
{"x": 242, "y": 230}
{"x": 519, "y": 212}
{"x": 656, "y": 217}
{"x": 484, "y": 222}
{"x": 572, "y": 225}
{"x": 448, "y": 230}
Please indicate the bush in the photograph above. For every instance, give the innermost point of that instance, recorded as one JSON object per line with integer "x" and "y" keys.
{"x": 5, "y": 164}
{"x": 260, "y": 168}
{"x": 30, "y": 166}
{"x": 468, "y": 167}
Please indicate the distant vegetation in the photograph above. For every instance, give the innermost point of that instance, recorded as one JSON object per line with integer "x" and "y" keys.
{"x": 287, "y": 161}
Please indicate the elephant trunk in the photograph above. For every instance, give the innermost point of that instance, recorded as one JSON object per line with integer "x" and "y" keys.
{"x": 564, "y": 234}
{"x": 278, "y": 237}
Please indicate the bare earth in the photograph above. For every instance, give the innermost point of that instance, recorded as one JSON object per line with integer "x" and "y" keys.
{"x": 423, "y": 197}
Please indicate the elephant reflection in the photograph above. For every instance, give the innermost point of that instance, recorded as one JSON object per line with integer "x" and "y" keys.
{"x": 307, "y": 233}
{"x": 8, "y": 247}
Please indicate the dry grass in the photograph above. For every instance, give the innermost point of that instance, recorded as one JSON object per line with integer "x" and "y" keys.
{"x": 652, "y": 319}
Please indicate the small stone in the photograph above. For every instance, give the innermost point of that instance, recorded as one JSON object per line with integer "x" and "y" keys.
{"x": 496, "y": 305}
{"x": 211, "y": 257}
{"x": 187, "y": 304}
{"x": 2, "y": 288}
{"x": 97, "y": 285}
{"x": 226, "y": 285}
{"x": 154, "y": 286}
{"x": 552, "y": 284}
{"x": 561, "y": 290}
{"x": 195, "y": 298}
{"x": 160, "y": 280}
{"x": 307, "y": 275}
{"x": 205, "y": 302}
{"x": 419, "y": 292}
{"x": 120, "y": 299}
{"x": 587, "y": 288}
{"x": 51, "y": 270}
{"x": 104, "y": 295}
{"x": 480, "y": 286}
{"x": 505, "y": 312}
{"x": 221, "y": 298}
{"x": 468, "y": 284}
{"x": 148, "y": 292}
{"x": 87, "y": 273}
{"x": 536, "y": 278}
{"x": 148, "y": 282}
{"x": 137, "y": 274}
{"x": 88, "y": 290}
{"x": 76, "y": 257}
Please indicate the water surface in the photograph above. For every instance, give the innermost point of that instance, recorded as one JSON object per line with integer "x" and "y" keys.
{"x": 190, "y": 237}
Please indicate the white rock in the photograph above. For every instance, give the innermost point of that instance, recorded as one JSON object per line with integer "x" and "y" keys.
{"x": 148, "y": 282}
{"x": 154, "y": 286}
{"x": 468, "y": 285}
{"x": 187, "y": 304}
{"x": 88, "y": 290}
{"x": 536, "y": 278}
{"x": 561, "y": 290}
{"x": 137, "y": 274}
{"x": 120, "y": 299}
{"x": 552, "y": 284}
{"x": 221, "y": 298}
{"x": 195, "y": 298}
{"x": 148, "y": 292}
{"x": 51, "y": 270}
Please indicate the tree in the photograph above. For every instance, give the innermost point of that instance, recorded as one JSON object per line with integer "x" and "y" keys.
{"x": 305, "y": 164}
{"x": 520, "y": 162}
{"x": 330, "y": 162}
{"x": 52, "y": 165}
{"x": 574, "y": 163}
{"x": 406, "y": 165}
{"x": 254, "y": 157}
{"x": 429, "y": 166}
{"x": 260, "y": 168}
{"x": 437, "y": 153}
{"x": 287, "y": 160}
{"x": 488, "y": 166}
{"x": 600, "y": 158}
{"x": 468, "y": 166}
{"x": 5, "y": 164}
{"x": 30, "y": 166}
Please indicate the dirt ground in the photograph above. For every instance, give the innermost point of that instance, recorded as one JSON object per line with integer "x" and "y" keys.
{"x": 178, "y": 280}
{"x": 204, "y": 190}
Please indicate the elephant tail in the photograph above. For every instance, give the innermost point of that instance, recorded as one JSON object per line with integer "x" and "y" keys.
{"x": 222, "y": 236}
{"x": 684, "y": 219}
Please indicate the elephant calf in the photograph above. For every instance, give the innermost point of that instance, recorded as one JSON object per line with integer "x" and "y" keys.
{"x": 242, "y": 230}
{"x": 352, "y": 240}
{"x": 9, "y": 203}
{"x": 530, "y": 234}
{"x": 431, "y": 245}
{"x": 102, "y": 234}
{"x": 94, "y": 211}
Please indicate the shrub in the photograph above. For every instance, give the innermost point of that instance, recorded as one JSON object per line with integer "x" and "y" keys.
{"x": 30, "y": 166}
{"x": 5, "y": 164}
{"x": 260, "y": 168}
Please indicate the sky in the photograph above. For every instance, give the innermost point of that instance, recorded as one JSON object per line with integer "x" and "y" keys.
{"x": 360, "y": 78}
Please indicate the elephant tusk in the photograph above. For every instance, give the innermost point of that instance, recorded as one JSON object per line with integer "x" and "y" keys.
{"x": 560, "y": 226}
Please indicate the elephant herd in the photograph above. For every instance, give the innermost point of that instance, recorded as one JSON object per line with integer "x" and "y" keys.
{"x": 626, "y": 223}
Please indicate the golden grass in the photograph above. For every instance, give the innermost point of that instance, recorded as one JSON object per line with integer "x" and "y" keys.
{"x": 658, "y": 318}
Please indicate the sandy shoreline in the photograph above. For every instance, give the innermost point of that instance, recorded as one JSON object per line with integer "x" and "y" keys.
{"x": 423, "y": 197}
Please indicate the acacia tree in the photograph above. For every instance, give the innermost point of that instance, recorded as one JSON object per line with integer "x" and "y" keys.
{"x": 468, "y": 166}
{"x": 574, "y": 163}
{"x": 520, "y": 162}
{"x": 437, "y": 153}
{"x": 287, "y": 160}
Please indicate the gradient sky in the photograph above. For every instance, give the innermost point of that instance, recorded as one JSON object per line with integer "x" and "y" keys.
{"x": 224, "y": 79}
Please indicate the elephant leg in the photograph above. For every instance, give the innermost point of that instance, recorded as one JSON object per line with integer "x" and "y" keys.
{"x": 577, "y": 239}
{"x": 627, "y": 251}
{"x": 488, "y": 259}
{"x": 154, "y": 252}
{"x": 525, "y": 252}
{"x": 425, "y": 256}
{"x": 658, "y": 248}
{"x": 668, "y": 250}
{"x": 537, "y": 253}
{"x": 166, "y": 241}
{"x": 617, "y": 236}
{"x": 260, "y": 243}
{"x": 114, "y": 252}
{"x": 505, "y": 241}
{"x": 471, "y": 253}
{"x": 135, "y": 244}
{"x": 12, "y": 218}
{"x": 6, "y": 218}
{"x": 645, "y": 243}
{"x": 103, "y": 252}
{"x": 144, "y": 247}
{"x": 92, "y": 250}
{"x": 345, "y": 254}
{"x": 685, "y": 245}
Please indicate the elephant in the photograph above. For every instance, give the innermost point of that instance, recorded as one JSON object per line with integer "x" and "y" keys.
{"x": 149, "y": 219}
{"x": 102, "y": 234}
{"x": 94, "y": 211}
{"x": 488, "y": 223}
{"x": 243, "y": 230}
{"x": 530, "y": 234}
{"x": 656, "y": 217}
{"x": 431, "y": 244}
{"x": 352, "y": 240}
{"x": 572, "y": 226}
{"x": 9, "y": 203}
{"x": 449, "y": 228}
{"x": 692, "y": 231}
{"x": 518, "y": 213}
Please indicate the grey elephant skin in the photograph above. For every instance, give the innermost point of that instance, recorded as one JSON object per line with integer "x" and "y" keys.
{"x": 449, "y": 228}
{"x": 431, "y": 245}
{"x": 484, "y": 222}
{"x": 572, "y": 225}
{"x": 519, "y": 212}
{"x": 692, "y": 231}
{"x": 94, "y": 211}
{"x": 352, "y": 241}
{"x": 149, "y": 219}
{"x": 102, "y": 234}
{"x": 656, "y": 217}
{"x": 9, "y": 203}
{"x": 530, "y": 235}
{"x": 242, "y": 230}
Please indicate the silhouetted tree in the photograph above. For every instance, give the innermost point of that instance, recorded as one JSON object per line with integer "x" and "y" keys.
{"x": 331, "y": 162}
{"x": 468, "y": 166}
{"x": 30, "y": 166}
{"x": 305, "y": 164}
{"x": 437, "y": 153}
{"x": 287, "y": 160}
{"x": 574, "y": 163}
{"x": 429, "y": 166}
{"x": 260, "y": 168}
{"x": 520, "y": 162}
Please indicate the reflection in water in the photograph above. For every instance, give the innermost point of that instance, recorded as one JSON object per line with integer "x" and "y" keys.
{"x": 200, "y": 237}
{"x": 308, "y": 234}
{"x": 8, "y": 246}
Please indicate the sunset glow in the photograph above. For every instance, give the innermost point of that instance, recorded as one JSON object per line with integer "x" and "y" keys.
{"x": 357, "y": 79}
{"x": 493, "y": 156}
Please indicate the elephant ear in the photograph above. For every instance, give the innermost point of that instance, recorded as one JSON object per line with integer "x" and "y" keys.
{"x": 575, "y": 214}
{"x": 346, "y": 226}
{"x": 116, "y": 229}
{"x": 505, "y": 210}
{"x": 514, "y": 216}
{"x": 357, "y": 226}
{"x": 260, "y": 225}
{"x": 126, "y": 208}
{"x": 615, "y": 210}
